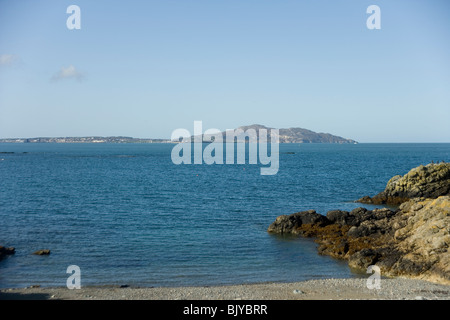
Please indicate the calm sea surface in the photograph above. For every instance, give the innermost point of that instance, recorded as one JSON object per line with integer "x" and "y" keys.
{"x": 125, "y": 214}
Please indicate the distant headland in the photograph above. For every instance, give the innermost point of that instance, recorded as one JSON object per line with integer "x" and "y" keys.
{"x": 91, "y": 139}
{"x": 289, "y": 135}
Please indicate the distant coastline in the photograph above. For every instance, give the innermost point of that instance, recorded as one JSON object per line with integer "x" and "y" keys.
{"x": 92, "y": 139}
{"x": 290, "y": 135}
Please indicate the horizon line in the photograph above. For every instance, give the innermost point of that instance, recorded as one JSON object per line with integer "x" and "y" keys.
{"x": 168, "y": 139}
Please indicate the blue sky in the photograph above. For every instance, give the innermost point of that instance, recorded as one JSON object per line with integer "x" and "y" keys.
{"x": 145, "y": 68}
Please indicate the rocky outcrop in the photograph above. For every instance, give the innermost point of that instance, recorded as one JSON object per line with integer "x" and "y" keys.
{"x": 292, "y": 223}
{"x": 422, "y": 237}
{"x": 430, "y": 181}
{"x": 412, "y": 241}
{"x": 6, "y": 251}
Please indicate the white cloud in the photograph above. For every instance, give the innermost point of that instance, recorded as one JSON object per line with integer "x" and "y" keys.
{"x": 7, "y": 59}
{"x": 68, "y": 73}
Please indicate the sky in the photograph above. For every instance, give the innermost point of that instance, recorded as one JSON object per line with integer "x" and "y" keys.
{"x": 145, "y": 68}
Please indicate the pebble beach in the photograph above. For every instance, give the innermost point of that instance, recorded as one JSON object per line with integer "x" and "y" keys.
{"x": 323, "y": 289}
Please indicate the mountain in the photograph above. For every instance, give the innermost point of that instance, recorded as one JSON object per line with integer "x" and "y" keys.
{"x": 290, "y": 135}
{"x": 299, "y": 135}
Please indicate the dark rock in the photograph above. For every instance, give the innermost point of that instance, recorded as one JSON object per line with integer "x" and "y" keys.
{"x": 363, "y": 258}
{"x": 43, "y": 252}
{"x": 6, "y": 251}
{"x": 388, "y": 257}
{"x": 360, "y": 215}
{"x": 383, "y": 213}
{"x": 412, "y": 241}
{"x": 365, "y": 199}
{"x": 358, "y": 211}
{"x": 365, "y": 229}
{"x": 311, "y": 217}
{"x": 340, "y": 217}
{"x": 357, "y": 232}
{"x": 290, "y": 223}
{"x": 343, "y": 247}
{"x": 284, "y": 224}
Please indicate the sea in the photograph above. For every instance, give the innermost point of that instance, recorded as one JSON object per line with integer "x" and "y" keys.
{"x": 125, "y": 214}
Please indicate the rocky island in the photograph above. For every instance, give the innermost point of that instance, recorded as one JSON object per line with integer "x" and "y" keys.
{"x": 285, "y": 135}
{"x": 411, "y": 241}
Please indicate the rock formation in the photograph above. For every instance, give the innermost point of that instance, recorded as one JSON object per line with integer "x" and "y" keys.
{"x": 43, "y": 252}
{"x": 412, "y": 241}
{"x": 6, "y": 251}
{"x": 430, "y": 181}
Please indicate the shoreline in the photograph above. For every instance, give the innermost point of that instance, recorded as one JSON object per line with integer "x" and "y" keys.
{"x": 320, "y": 289}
